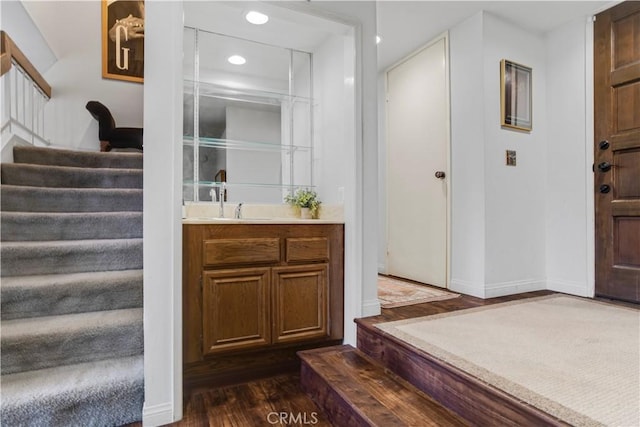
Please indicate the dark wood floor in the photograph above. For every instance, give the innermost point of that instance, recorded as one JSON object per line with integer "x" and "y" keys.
{"x": 261, "y": 403}
{"x": 272, "y": 401}
{"x": 444, "y": 306}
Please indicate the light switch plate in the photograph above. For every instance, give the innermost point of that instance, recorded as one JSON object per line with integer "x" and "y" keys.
{"x": 511, "y": 157}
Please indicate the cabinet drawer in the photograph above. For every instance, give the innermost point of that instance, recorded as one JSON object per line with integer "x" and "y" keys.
{"x": 240, "y": 251}
{"x": 307, "y": 249}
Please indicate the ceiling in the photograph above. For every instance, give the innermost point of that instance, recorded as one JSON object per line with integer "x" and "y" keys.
{"x": 286, "y": 27}
{"x": 405, "y": 26}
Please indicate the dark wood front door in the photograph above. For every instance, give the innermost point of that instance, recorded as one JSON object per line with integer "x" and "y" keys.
{"x": 617, "y": 152}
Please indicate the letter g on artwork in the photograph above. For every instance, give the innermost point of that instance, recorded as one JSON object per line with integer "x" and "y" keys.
{"x": 122, "y": 53}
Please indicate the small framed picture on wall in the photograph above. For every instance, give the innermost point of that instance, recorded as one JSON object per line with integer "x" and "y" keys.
{"x": 515, "y": 96}
{"x": 123, "y": 40}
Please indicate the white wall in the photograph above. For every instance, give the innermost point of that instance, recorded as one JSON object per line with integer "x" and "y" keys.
{"x": 498, "y": 211}
{"x": 515, "y": 201}
{"x": 162, "y": 214}
{"x": 467, "y": 157}
{"x": 569, "y": 179}
{"x": 527, "y": 227}
{"x": 361, "y": 181}
{"x": 17, "y": 23}
{"x": 330, "y": 140}
{"x": 77, "y": 76}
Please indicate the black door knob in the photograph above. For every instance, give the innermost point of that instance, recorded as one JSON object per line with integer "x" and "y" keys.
{"x": 440, "y": 175}
{"x": 604, "y": 144}
{"x": 604, "y": 166}
{"x": 604, "y": 188}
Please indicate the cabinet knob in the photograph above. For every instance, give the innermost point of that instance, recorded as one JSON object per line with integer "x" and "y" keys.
{"x": 440, "y": 175}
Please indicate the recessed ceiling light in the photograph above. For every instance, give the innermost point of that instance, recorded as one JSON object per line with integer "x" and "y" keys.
{"x": 257, "y": 18}
{"x": 378, "y": 39}
{"x": 236, "y": 60}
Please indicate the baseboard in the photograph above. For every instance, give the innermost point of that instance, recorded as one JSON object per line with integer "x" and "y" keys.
{"x": 467, "y": 288}
{"x": 514, "y": 287}
{"x": 570, "y": 287}
{"x": 371, "y": 308}
{"x": 157, "y": 415}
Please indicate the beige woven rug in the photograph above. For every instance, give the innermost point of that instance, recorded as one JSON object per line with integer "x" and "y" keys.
{"x": 574, "y": 358}
{"x": 397, "y": 293}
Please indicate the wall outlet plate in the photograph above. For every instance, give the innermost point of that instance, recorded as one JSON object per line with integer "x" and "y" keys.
{"x": 511, "y": 157}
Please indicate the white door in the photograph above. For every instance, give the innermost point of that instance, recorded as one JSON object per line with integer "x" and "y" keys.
{"x": 417, "y": 150}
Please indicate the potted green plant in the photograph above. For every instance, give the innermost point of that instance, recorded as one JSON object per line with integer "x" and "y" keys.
{"x": 306, "y": 200}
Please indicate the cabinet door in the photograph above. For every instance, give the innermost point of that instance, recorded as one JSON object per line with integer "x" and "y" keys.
{"x": 300, "y": 296}
{"x": 235, "y": 309}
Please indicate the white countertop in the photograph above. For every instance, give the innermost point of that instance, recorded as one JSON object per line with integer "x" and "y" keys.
{"x": 267, "y": 221}
{"x": 208, "y": 213}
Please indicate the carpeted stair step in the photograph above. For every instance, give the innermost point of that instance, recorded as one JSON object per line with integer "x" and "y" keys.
{"x": 44, "y": 342}
{"x": 42, "y": 199}
{"x": 356, "y": 391}
{"x": 65, "y": 176}
{"x": 22, "y": 226}
{"x": 57, "y": 294}
{"x": 84, "y": 159}
{"x": 71, "y": 290}
{"x": 70, "y": 256}
{"x": 104, "y": 393}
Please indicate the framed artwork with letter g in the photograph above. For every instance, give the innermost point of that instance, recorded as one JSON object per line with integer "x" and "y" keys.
{"x": 123, "y": 40}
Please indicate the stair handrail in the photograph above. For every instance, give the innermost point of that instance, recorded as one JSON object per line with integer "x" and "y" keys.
{"x": 10, "y": 52}
{"x": 25, "y": 94}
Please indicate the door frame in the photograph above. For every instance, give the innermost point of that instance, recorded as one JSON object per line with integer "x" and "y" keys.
{"x": 589, "y": 155}
{"x": 443, "y": 36}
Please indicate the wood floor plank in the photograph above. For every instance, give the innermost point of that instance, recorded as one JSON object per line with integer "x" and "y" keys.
{"x": 374, "y": 397}
{"x": 256, "y": 403}
{"x": 444, "y": 306}
{"x": 397, "y": 395}
{"x": 358, "y": 399}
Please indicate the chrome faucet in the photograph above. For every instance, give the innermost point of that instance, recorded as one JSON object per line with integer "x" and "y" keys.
{"x": 223, "y": 191}
{"x": 238, "y": 214}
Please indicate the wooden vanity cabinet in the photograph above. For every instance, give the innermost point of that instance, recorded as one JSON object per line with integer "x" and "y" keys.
{"x": 258, "y": 288}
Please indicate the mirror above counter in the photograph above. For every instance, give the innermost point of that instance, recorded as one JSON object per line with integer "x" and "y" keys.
{"x": 273, "y": 122}
{"x": 249, "y": 124}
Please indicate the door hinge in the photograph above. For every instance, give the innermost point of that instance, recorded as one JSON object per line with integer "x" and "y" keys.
{"x": 200, "y": 283}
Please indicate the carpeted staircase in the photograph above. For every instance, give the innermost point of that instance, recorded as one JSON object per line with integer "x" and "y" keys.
{"x": 71, "y": 266}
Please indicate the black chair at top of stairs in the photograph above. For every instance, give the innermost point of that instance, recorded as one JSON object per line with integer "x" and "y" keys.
{"x": 112, "y": 137}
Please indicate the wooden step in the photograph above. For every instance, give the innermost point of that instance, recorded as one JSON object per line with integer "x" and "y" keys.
{"x": 354, "y": 390}
{"x": 465, "y": 395}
